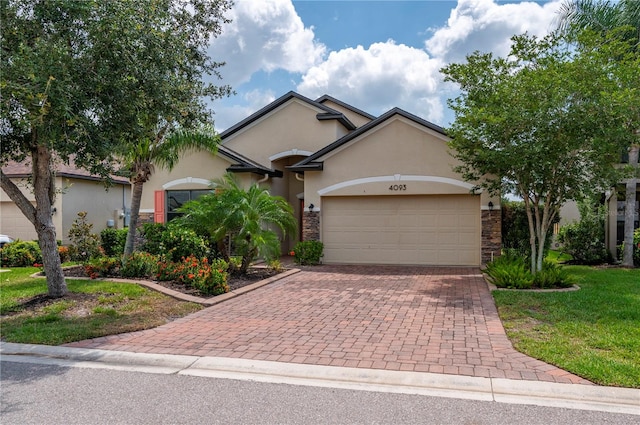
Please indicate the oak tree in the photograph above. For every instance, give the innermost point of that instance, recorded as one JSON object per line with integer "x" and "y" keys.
{"x": 80, "y": 79}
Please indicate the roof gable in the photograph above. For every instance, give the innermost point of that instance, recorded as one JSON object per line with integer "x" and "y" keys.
{"x": 325, "y": 113}
{"x": 314, "y": 161}
{"x": 327, "y": 98}
{"x": 244, "y": 164}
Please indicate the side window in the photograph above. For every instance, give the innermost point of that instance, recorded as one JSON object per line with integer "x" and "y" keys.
{"x": 176, "y": 198}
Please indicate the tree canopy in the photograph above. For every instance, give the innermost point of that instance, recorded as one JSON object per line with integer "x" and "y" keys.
{"x": 546, "y": 123}
{"x": 80, "y": 79}
{"x": 623, "y": 18}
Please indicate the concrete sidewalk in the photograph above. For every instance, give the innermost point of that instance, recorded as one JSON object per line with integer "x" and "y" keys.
{"x": 583, "y": 397}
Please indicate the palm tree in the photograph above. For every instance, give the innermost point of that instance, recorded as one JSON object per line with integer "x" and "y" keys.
{"x": 245, "y": 217}
{"x": 164, "y": 151}
{"x": 604, "y": 16}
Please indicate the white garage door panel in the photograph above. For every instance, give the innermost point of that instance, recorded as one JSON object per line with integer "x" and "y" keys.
{"x": 438, "y": 230}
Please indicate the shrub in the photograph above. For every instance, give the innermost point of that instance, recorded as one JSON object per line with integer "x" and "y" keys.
{"x": 139, "y": 264}
{"x": 199, "y": 274}
{"x": 509, "y": 271}
{"x": 64, "y": 253}
{"x": 308, "y": 252}
{"x": 101, "y": 267}
{"x": 180, "y": 242}
{"x": 276, "y": 266}
{"x": 173, "y": 241}
{"x": 84, "y": 244}
{"x": 152, "y": 236}
{"x": 113, "y": 241}
{"x": 20, "y": 254}
{"x": 552, "y": 276}
{"x": 585, "y": 240}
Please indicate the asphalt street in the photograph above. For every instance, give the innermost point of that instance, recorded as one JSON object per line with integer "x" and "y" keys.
{"x": 34, "y": 393}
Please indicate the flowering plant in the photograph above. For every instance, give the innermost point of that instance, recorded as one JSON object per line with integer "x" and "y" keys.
{"x": 210, "y": 279}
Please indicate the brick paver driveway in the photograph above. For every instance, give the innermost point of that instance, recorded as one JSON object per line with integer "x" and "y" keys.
{"x": 422, "y": 319}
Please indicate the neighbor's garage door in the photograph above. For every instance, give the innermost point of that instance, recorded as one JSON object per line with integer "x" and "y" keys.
{"x": 429, "y": 230}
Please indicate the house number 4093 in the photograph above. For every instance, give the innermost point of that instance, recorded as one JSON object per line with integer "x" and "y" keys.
{"x": 396, "y": 187}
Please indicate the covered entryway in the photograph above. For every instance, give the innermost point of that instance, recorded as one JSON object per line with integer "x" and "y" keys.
{"x": 424, "y": 230}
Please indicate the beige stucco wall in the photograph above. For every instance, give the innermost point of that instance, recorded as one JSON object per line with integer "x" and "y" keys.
{"x": 74, "y": 195}
{"x": 194, "y": 171}
{"x": 355, "y": 118}
{"x": 12, "y": 221}
{"x": 292, "y": 126}
{"x": 90, "y": 196}
{"x": 399, "y": 152}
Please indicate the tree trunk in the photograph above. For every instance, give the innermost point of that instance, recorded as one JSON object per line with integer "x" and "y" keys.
{"x": 136, "y": 197}
{"x": 44, "y": 192}
{"x": 630, "y": 207}
{"x": 532, "y": 237}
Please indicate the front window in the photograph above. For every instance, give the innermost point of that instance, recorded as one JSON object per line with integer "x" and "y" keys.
{"x": 176, "y": 198}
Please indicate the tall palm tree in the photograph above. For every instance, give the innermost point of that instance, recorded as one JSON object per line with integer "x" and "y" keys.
{"x": 245, "y": 217}
{"x": 604, "y": 16}
{"x": 164, "y": 151}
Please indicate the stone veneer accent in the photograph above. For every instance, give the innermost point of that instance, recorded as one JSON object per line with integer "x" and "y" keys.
{"x": 143, "y": 218}
{"x": 311, "y": 225}
{"x": 491, "y": 242}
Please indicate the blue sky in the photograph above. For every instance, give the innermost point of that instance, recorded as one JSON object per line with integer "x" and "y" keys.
{"x": 374, "y": 55}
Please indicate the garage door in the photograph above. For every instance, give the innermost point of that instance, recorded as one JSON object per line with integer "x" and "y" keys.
{"x": 427, "y": 230}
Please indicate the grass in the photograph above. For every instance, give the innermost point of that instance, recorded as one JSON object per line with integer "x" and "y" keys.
{"x": 593, "y": 332}
{"x": 93, "y": 308}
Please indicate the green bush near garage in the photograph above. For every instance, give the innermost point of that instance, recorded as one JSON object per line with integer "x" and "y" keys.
{"x": 308, "y": 252}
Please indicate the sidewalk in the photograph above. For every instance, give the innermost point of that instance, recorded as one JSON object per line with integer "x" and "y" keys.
{"x": 583, "y": 397}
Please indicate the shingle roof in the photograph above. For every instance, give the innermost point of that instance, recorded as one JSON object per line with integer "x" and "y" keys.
{"x": 23, "y": 170}
{"x": 328, "y": 113}
{"x": 326, "y": 97}
{"x": 245, "y": 164}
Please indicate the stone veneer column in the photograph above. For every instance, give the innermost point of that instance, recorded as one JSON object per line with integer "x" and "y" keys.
{"x": 143, "y": 218}
{"x": 310, "y": 225}
{"x": 491, "y": 235}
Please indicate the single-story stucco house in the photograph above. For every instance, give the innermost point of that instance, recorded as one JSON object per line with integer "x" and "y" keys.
{"x": 77, "y": 190}
{"x": 374, "y": 190}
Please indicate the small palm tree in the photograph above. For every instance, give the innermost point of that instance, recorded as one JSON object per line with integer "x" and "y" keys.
{"x": 603, "y": 16}
{"x": 246, "y": 217}
{"x": 164, "y": 151}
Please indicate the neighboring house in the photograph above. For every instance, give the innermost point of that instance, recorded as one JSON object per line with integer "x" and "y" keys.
{"x": 614, "y": 221}
{"x": 614, "y": 226}
{"x": 374, "y": 190}
{"x": 77, "y": 191}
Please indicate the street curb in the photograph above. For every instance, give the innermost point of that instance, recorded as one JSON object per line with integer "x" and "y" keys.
{"x": 572, "y": 396}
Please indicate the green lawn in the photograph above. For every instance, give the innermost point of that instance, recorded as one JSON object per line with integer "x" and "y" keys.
{"x": 593, "y": 332}
{"x": 94, "y": 308}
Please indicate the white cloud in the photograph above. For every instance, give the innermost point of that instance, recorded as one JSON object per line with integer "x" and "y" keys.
{"x": 264, "y": 35}
{"x": 378, "y": 78}
{"x": 487, "y": 26}
{"x": 269, "y": 35}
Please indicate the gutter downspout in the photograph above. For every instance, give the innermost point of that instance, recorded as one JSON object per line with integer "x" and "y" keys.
{"x": 264, "y": 179}
{"x": 299, "y": 178}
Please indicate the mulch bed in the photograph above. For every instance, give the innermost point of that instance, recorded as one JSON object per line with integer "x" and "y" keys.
{"x": 235, "y": 282}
